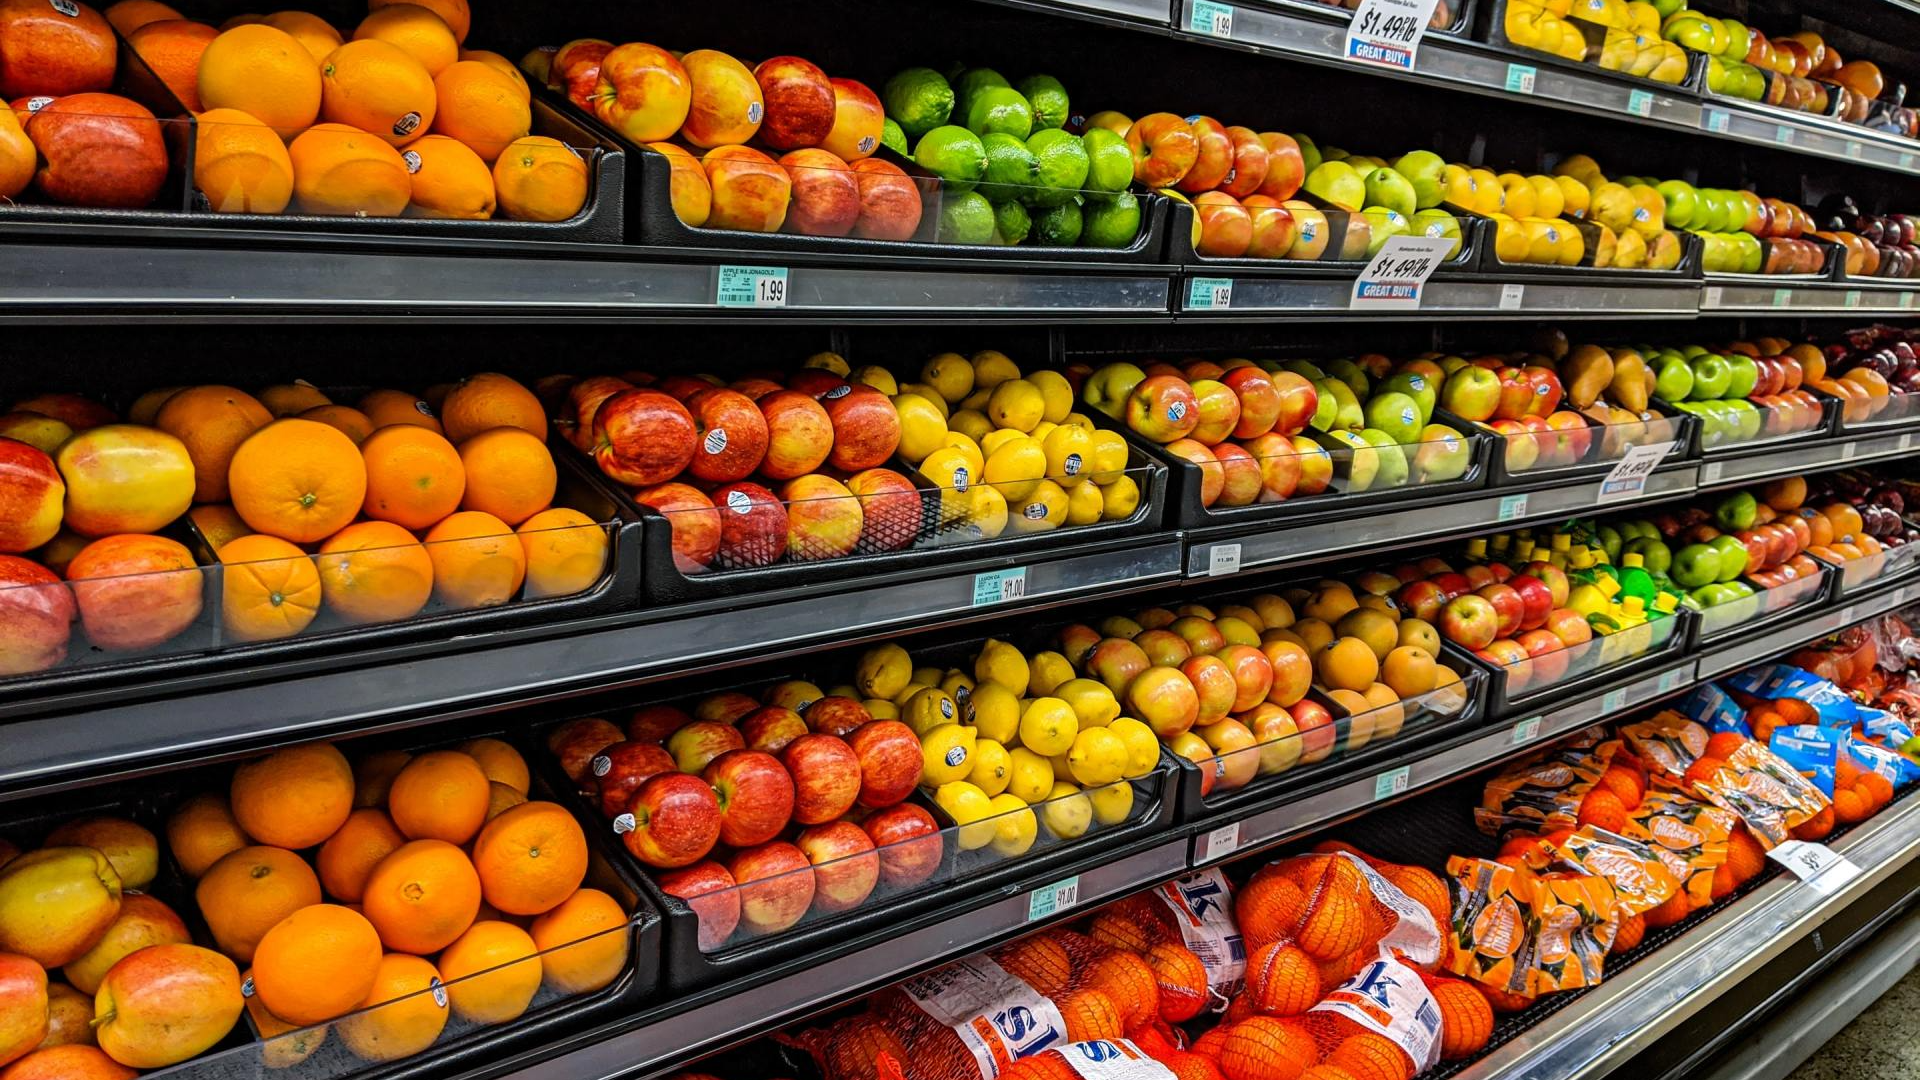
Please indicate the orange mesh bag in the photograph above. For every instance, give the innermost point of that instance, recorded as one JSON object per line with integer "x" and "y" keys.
{"x": 1265, "y": 1048}
{"x": 1282, "y": 980}
{"x": 1466, "y": 1020}
{"x": 1268, "y": 907}
{"x": 855, "y": 1048}
{"x": 1039, "y": 960}
{"x": 1130, "y": 983}
{"x": 1690, "y": 836}
{"x": 1767, "y": 793}
{"x": 1181, "y": 979}
{"x": 1202, "y": 909}
{"x": 1544, "y": 792}
{"x": 1383, "y": 1022}
{"x": 1348, "y": 906}
{"x": 972, "y": 1019}
{"x": 1136, "y": 924}
{"x": 1094, "y": 1059}
{"x": 1633, "y": 928}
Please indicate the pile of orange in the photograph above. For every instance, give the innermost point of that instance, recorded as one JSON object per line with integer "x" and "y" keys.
{"x": 396, "y": 117}
{"x": 415, "y": 883}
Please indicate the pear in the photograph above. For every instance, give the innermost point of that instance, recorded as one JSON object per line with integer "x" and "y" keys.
{"x": 1627, "y": 381}
{"x": 1588, "y": 370}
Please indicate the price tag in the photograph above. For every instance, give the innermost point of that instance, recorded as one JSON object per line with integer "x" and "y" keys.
{"x": 1816, "y": 864}
{"x": 1513, "y": 506}
{"x": 1223, "y": 559}
{"x": 1782, "y": 297}
{"x": 1520, "y": 79}
{"x": 1209, "y": 294}
{"x": 1852, "y": 298}
{"x": 751, "y": 286}
{"x": 1640, "y": 103}
{"x": 1392, "y": 782}
{"x": 1851, "y": 149}
{"x": 1846, "y": 616}
{"x": 1629, "y": 475}
{"x": 1219, "y": 843}
{"x": 1526, "y": 730}
{"x": 1053, "y": 899}
{"x": 1906, "y": 161}
{"x": 1714, "y": 120}
{"x": 1613, "y": 701}
{"x": 1783, "y": 135}
{"x": 1713, "y": 297}
{"x": 1848, "y": 449}
{"x": 1395, "y": 276}
{"x": 1906, "y": 299}
{"x": 999, "y": 586}
{"x": 1667, "y": 681}
{"x": 1387, "y": 32}
{"x": 1207, "y": 17}
{"x": 1510, "y": 296}
{"x": 1711, "y": 471}
{"x": 1906, "y": 443}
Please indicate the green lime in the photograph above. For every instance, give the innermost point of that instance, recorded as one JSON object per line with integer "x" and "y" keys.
{"x": 1049, "y": 101}
{"x": 966, "y": 219}
{"x": 1109, "y": 161}
{"x": 1111, "y": 223}
{"x": 999, "y": 108}
{"x": 968, "y": 84}
{"x": 919, "y": 99}
{"x": 894, "y": 138}
{"x": 955, "y": 155}
{"x": 1058, "y": 226}
{"x": 1011, "y": 167}
{"x": 1011, "y": 223}
{"x": 1063, "y": 168}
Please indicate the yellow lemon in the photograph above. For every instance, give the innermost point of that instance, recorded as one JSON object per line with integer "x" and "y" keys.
{"x": 1119, "y": 499}
{"x": 1056, "y": 395}
{"x": 1044, "y": 508}
{"x": 996, "y": 712}
{"x": 1046, "y": 671}
{"x": 1108, "y": 453}
{"x": 971, "y": 808}
{"x": 1111, "y": 803}
{"x": 922, "y": 431}
{"x": 946, "y": 754}
{"x": 1041, "y": 430}
{"x": 881, "y": 709}
{"x": 992, "y": 767}
{"x": 950, "y": 469}
{"x": 929, "y": 708}
{"x": 971, "y": 423}
{"x": 1143, "y": 750}
{"x": 1014, "y": 826}
{"x": 922, "y": 390}
{"x": 828, "y": 361}
{"x": 1016, "y": 467}
{"x": 877, "y": 377}
{"x": 991, "y": 368}
{"x": 1079, "y": 420}
{"x": 1016, "y": 404}
{"x": 1032, "y": 777}
{"x": 1092, "y": 703}
{"x": 795, "y": 694}
{"x": 977, "y": 401}
{"x": 956, "y": 683}
{"x": 1048, "y": 726}
{"x": 1066, "y": 811}
{"x": 1069, "y": 453}
{"x": 1086, "y": 504}
{"x": 997, "y": 438}
{"x": 970, "y": 448}
{"x": 950, "y": 374}
{"x": 988, "y": 512}
{"x": 1003, "y": 665}
{"x": 883, "y": 671}
{"x": 1098, "y": 757}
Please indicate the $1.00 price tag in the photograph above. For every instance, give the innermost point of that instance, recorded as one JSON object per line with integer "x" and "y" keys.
{"x": 1816, "y": 864}
{"x": 1396, "y": 275}
{"x": 1629, "y": 476}
{"x": 751, "y": 286}
{"x": 1220, "y": 843}
{"x": 1387, "y": 32}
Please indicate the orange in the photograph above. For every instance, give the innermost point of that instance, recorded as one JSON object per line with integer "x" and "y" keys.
{"x": 1627, "y": 938}
{"x": 500, "y": 761}
{"x": 510, "y": 474}
{"x": 453, "y": 12}
{"x": 414, "y": 476}
{"x": 249, "y": 891}
{"x": 1466, "y": 1020}
{"x": 282, "y": 1045}
{"x": 318, "y": 963}
{"x": 385, "y": 407}
{"x": 500, "y": 64}
{"x": 293, "y": 798}
{"x": 241, "y": 165}
{"x": 378, "y": 88}
{"x": 242, "y": 20}
{"x": 540, "y": 179}
{"x": 1347, "y": 663}
{"x": 310, "y": 30}
{"x": 212, "y": 421}
{"x": 1090, "y": 1014}
{"x": 373, "y": 776}
{"x": 374, "y": 572}
{"x": 128, "y": 16}
{"x": 440, "y": 795}
{"x": 172, "y": 48}
{"x": 477, "y": 561}
{"x": 18, "y": 159}
{"x": 1263, "y": 1048}
{"x": 403, "y": 1014}
{"x": 349, "y": 855}
{"x": 1182, "y": 981}
{"x": 489, "y": 400}
{"x": 263, "y": 72}
{"x": 1371, "y": 1057}
{"x": 200, "y": 831}
{"x": 1268, "y": 909}
{"x": 1130, "y": 982}
{"x": 1282, "y": 980}
{"x": 449, "y": 180}
{"x": 1425, "y": 888}
{"x": 530, "y": 858}
{"x": 147, "y": 405}
{"x": 414, "y": 29}
{"x": 343, "y": 171}
{"x": 566, "y": 552}
{"x": 349, "y": 421}
{"x": 1334, "y": 925}
{"x": 422, "y": 896}
{"x": 505, "y": 953}
{"x": 292, "y": 399}
{"x": 297, "y": 479}
{"x": 1409, "y": 670}
{"x": 269, "y": 589}
{"x": 481, "y": 107}
{"x": 1040, "y": 961}
{"x": 501, "y": 798}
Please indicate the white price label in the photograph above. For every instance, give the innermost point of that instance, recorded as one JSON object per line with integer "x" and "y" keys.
{"x": 1212, "y": 19}
{"x": 1392, "y": 782}
{"x": 1628, "y": 477}
{"x": 1613, "y": 701}
{"x": 1220, "y": 843}
{"x": 1851, "y": 149}
{"x": 751, "y": 286}
{"x": 1713, "y": 297}
{"x": 1520, "y": 79}
{"x": 1846, "y": 616}
{"x": 1209, "y": 294}
{"x": 1906, "y": 161}
{"x": 1848, "y": 449}
{"x": 1906, "y": 299}
{"x": 1511, "y": 294}
{"x": 999, "y": 586}
{"x": 1223, "y": 559}
{"x": 1782, "y": 297}
{"x": 1640, "y": 103}
{"x": 1906, "y": 442}
{"x": 1714, "y": 120}
{"x": 1513, "y": 506}
{"x": 1667, "y": 681}
{"x": 1387, "y": 32}
{"x": 1395, "y": 276}
{"x": 1526, "y": 730}
{"x": 1710, "y": 472}
{"x": 1053, "y": 899}
{"x": 1853, "y": 298}
{"x": 1816, "y": 864}
{"x": 1783, "y": 135}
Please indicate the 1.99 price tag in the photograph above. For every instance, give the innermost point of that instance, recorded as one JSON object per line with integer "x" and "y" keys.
{"x": 1399, "y": 271}
{"x": 1387, "y": 32}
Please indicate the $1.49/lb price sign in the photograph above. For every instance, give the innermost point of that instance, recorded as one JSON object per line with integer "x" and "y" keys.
{"x": 1395, "y": 277}
{"x": 1628, "y": 478}
{"x": 1387, "y": 32}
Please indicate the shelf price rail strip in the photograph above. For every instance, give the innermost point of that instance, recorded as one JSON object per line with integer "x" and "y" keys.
{"x": 1813, "y": 456}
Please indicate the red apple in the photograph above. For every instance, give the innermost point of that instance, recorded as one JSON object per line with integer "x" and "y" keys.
{"x": 53, "y": 49}
{"x": 1421, "y": 599}
{"x": 583, "y": 403}
{"x": 1213, "y": 478}
{"x": 142, "y": 921}
{"x": 1546, "y": 654}
{"x": 730, "y": 433}
{"x": 1163, "y": 647}
{"x": 1164, "y": 149}
{"x": 709, "y": 891}
{"x": 166, "y": 1003}
{"x": 1249, "y": 169}
{"x": 751, "y": 191}
{"x": 756, "y": 386}
{"x": 866, "y": 428}
{"x": 1569, "y": 626}
{"x": 643, "y": 92}
{"x": 1479, "y": 575}
{"x": 1226, "y": 228}
{"x": 1279, "y": 465}
{"x": 620, "y": 768}
{"x": 700, "y": 742}
{"x": 837, "y": 716}
{"x": 890, "y": 758}
{"x": 1219, "y": 411}
{"x": 755, "y": 794}
{"x": 826, "y": 200}
{"x": 890, "y": 508}
{"x": 643, "y": 437}
{"x": 858, "y": 119}
{"x": 725, "y": 105}
{"x": 1470, "y": 621}
{"x": 23, "y": 1006}
{"x": 1214, "y": 688}
{"x": 771, "y": 728}
{"x": 725, "y": 707}
{"x": 1298, "y": 402}
{"x": 1162, "y": 408}
{"x": 1452, "y": 583}
{"x": 1252, "y": 675}
{"x": 653, "y": 723}
{"x": 575, "y": 743}
{"x": 1116, "y": 662}
{"x": 1508, "y": 607}
{"x": 1165, "y": 700}
{"x": 826, "y": 777}
{"x": 694, "y": 521}
{"x": 753, "y": 525}
{"x": 1318, "y": 733}
{"x": 1536, "y": 600}
{"x": 672, "y": 821}
{"x": 845, "y": 867}
{"x": 1547, "y": 391}
{"x": 1516, "y": 394}
{"x": 575, "y": 69}
{"x": 909, "y": 844}
{"x": 36, "y": 617}
{"x": 889, "y": 201}
{"x": 817, "y": 383}
{"x": 682, "y": 387}
{"x": 1273, "y": 228}
{"x": 800, "y": 103}
{"x": 1554, "y": 578}
{"x": 1286, "y": 169}
{"x": 824, "y": 519}
{"x": 97, "y": 150}
{"x": 1241, "y": 479}
{"x": 799, "y": 434}
{"x": 776, "y": 886}
{"x": 1213, "y": 159}
{"x": 1259, "y": 401}
{"x": 32, "y": 497}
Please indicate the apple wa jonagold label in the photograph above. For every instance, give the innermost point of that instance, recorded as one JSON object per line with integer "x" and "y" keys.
{"x": 1399, "y": 271}
{"x": 1387, "y": 32}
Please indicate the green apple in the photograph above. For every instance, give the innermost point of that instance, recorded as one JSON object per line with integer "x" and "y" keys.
{"x": 1717, "y": 78}
{"x": 1653, "y": 552}
{"x": 1389, "y": 190}
{"x": 1747, "y": 418}
{"x": 1310, "y": 156}
{"x": 1690, "y": 30}
{"x": 1438, "y": 223}
{"x": 1383, "y": 223}
{"x": 1734, "y": 39}
{"x": 1337, "y": 184}
{"x": 1698, "y": 564}
{"x": 1416, "y": 386}
{"x": 1736, "y": 512}
{"x": 1752, "y": 253}
{"x": 1674, "y": 380}
{"x": 1422, "y": 168}
{"x": 1744, "y": 373}
{"x": 1393, "y": 460}
{"x": 1713, "y": 595}
{"x": 1350, "y": 373}
{"x": 1107, "y": 389}
{"x": 1610, "y": 541}
{"x": 1396, "y": 414}
{"x": 1710, "y": 377}
{"x": 1733, "y": 556}
{"x": 1682, "y": 202}
{"x": 1354, "y": 459}
{"x": 1306, "y": 369}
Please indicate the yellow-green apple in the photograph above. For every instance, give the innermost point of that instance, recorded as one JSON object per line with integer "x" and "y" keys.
{"x": 845, "y": 866}
{"x": 1226, "y": 229}
{"x": 1213, "y": 478}
{"x": 823, "y": 517}
{"x": 1277, "y": 736}
{"x": 755, "y": 795}
{"x": 890, "y": 508}
{"x": 643, "y": 92}
{"x": 1116, "y": 663}
{"x": 166, "y": 1003}
{"x": 1292, "y": 671}
{"x": 1286, "y": 169}
{"x": 1357, "y": 239}
{"x": 1472, "y": 393}
{"x": 1213, "y": 688}
{"x": 1259, "y": 399}
{"x": 1163, "y": 647}
{"x": 673, "y": 820}
{"x": 693, "y": 520}
{"x": 1108, "y": 388}
{"x": 642, "y": 437}
{"x": 1162, "y": 408}
{"x": 1118, "y": 123}
{"x": 1195, "y": 749}
{"x": 143, "y": 921}
{"x": 838, "y": 715}
{"x": 55, "y": 903}
{"x": 857, "y": 120}
{"x": 1240, "y": 480}
{"x": 1470, "y": 621}
{"x": 725, "y": 106}
{"x": 1219, "y": 411}
{"x": 575, "y": 69}
{"x": 1318, "y": 732}
{"x": 1249, "y": 170}
{"x": 1522, "y": 451}
{"x": 130, "y": 847}
{"x": 23, "y": 1006}
{"x": 69, "y": 1018}
{"x": 730, "y": 435}
{"x": 889, "y": 201}
{"x": 618, "y": 769}
{"x": 1279, "y": 466}
{"x": 1273, "y": 228}
{"x": 1213, "y": 158}
{"x": 750, "y": 190}
{"x": 826, "y": 777}
{"x": 866, "y": 428}
{"x": 771, "y": 727}
{"x": 122, "y": 478}
{"x": 799, "y": 434}
{"x": 1312, "y": 232}
{"x": 1252, "y": 675}
{"x": 909, "y": 843}
{"x": 826, "y": 200}
{"x": 1164, "y": 149}
{"x": 37, "y": 430}
{"x": 1202, "y": 635}
{"x": 1234, "y": 755}
{"x": 1508, "y": 607}
{"x": 687, "y": 187}
{"x": 1316, "y": 466}
{"x": 698, "y": 743}
{"x": 753, "y": 524}
{"x": 889, "y": 754}
{"x": 1165, "y": 700}
{"x": 776, "y": 886}
{"x": 36, "y": 617}
{"x": 800, "y": 103}
{"x": 709, "y": 891}
{"x": 1569, "y": 626}
{"x": 583, "y": 402}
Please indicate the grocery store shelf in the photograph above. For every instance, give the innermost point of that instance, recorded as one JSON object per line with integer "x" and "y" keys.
{"x": 1807, "y": 297}
{"x": 1805, "y": 457}
{"x": 1277, "y": 297}
{"x": 1806, "y": 133}
{"x": 1750, "y": 650}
